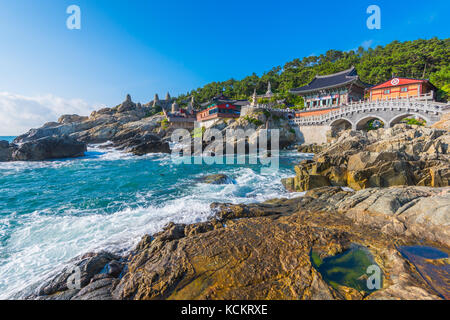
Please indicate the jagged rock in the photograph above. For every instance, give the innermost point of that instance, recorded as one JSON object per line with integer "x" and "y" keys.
{"x": 70, "y": 118}
{"x": 127, "y": 105}
{"x": 402, "y": 155}
{"x": 309, "y": 148}
{"x": 100, "y": 289}
{"x": 126, "y": 125}
{"x": 251, "y": 124}
{"x": 305, "y": 182}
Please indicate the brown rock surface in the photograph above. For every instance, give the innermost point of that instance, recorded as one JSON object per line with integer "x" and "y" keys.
{"x": 262, "y": 251}
{"x": 402, "y": 155}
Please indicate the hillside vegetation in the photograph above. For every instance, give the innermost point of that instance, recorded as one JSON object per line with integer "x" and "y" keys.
{"x": 428, "y": 59}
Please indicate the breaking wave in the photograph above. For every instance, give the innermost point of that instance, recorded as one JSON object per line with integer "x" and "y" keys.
{"x": 53, "y": 211}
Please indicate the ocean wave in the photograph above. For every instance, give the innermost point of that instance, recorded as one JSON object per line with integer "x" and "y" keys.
{"x": 135, "y": 196}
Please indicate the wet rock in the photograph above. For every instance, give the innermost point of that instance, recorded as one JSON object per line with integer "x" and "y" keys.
{"x": 262, "y": 251}
{"x": 127, "y": 125}
{"x": 48, "y": 148}
{"x": 114, "y": 268}
{"x": 89, "y": 265}
{"x": 142, "y": 145}
{"x": 217, "y": 179}
{"x": 97, "y": 290}
{"x": 433, "y": 264}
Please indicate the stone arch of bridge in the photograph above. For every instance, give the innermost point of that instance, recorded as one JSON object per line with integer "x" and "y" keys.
{"x": 361, "y": 123}
{"x": 341, "y": 124}
{"x": 402, "y": 116}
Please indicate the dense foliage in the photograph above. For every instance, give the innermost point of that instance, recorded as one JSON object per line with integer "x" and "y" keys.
{"x": 415, "y": 59}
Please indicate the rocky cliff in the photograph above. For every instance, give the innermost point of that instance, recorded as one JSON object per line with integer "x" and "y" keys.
{"x": 402, "y": 155}
{"x": 127, "y": 125}
{"x": 252, "y": 124}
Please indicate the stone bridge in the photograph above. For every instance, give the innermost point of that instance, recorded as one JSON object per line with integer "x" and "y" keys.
{"x": 356, "y": 116}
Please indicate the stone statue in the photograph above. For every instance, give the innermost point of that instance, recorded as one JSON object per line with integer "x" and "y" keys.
{"x": 269, "y": 89}
{"x": 254, "y": 102}
{"x": 175, "y": 107}
{"x": 190, "y": 108}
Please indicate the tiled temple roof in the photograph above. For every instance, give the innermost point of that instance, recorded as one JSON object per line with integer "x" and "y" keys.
{"x": 221, "y": 99}
{"x": 331, "y": 81}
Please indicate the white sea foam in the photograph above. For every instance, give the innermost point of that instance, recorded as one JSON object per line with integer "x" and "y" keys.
{"x": 41, "y": 243}
{"x": 44, "y": 243}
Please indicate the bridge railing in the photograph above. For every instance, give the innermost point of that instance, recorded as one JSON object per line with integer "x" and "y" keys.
{"x": 383, "y": 105}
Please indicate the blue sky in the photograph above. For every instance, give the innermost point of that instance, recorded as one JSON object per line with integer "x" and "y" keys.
{"x": 148, "y": 47}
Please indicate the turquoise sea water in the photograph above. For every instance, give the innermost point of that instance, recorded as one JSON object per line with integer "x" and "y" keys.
{"x": 7, "y": 138}
{"x": 53, "y": 211}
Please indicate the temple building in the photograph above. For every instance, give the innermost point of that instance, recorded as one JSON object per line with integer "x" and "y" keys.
{"x": 401, "y": 88}
{"x": 332, "y": 90}
{"x": 220, "y": 107}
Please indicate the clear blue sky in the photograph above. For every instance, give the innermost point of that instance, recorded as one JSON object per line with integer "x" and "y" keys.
{"x": 143, "y": 47}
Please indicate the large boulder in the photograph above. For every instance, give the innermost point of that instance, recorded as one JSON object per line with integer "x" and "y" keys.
{"x": 49, "y": 148}
{"x": 143, "y": 144}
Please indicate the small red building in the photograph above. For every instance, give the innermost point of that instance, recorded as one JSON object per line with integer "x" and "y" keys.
{"x": 220, "y": 108}
{"x": 397, "y": 88}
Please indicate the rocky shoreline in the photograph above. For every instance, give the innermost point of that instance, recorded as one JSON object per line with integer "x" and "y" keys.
{"x": 273, "y": 250}
{"x": 263, "y": 251}
{"x": 402, "y": 155}
{"x": 377, "y": 199}
{"x": 128, "y": 126}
